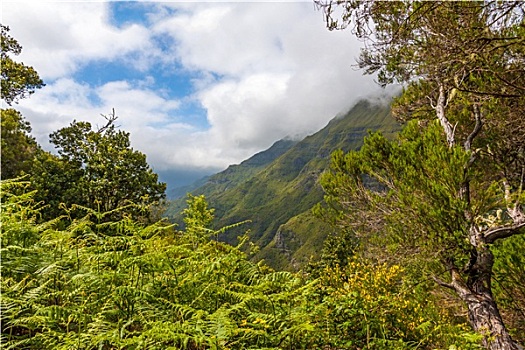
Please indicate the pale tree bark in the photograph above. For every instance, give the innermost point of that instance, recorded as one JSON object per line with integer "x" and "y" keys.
{"x": 439, "y": 107}
{"x": 473, "y": 283}
{"x": 476, "y": 292}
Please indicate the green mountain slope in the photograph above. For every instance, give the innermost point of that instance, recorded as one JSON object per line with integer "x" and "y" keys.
{"x": 213, "y": 185}
{"x": 277, "y": 198}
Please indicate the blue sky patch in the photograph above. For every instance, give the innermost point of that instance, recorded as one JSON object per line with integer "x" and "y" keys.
{"x": 97, "y": 73}
{"x": 172, "y": 83}
{"x": 124, "y": 13}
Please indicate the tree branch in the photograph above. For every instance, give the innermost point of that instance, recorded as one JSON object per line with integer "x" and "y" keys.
{"x": 110, "y": 120}
{"x": 477, "y": 128}
{"x": 440, "y": 112}
{"x": 443, "y": 283}
{"x": 500, "y": 232}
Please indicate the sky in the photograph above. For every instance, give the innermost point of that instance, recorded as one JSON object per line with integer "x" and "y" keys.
{"x": 199, "y": 85}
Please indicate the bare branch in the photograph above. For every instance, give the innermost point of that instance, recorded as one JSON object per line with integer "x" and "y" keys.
{"x": 440, "y": 112}
{"x": 500, "y": 232}
{"x": 477, "y": 128}
{"x": 110, "y": 120}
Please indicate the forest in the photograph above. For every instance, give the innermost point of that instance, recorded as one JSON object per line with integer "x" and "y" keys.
{"x": 427, "y": 226}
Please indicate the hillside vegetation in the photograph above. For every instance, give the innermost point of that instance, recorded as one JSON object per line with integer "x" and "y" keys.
{"x": 82, "y": 284}
{"x": 277, "y": 196}
{"x": 227, "y": 179}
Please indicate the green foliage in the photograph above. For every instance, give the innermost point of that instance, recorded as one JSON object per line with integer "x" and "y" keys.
{"x": 55, "y": 182}
{"x": 509, "y": 289}
{"x": 138, "y": 287}
{"x": 17, "y": 80}
{"x": 374, "y": 306}
{"x": 408, "y": 196}
{"x": 296, "y": 243}
{"x": 124, "y": 285}
{"x": 408, "y": 187}
{"x": 97, "y": 169}
{"x": 197, "y": 215}
{"x": 19, "y": 148}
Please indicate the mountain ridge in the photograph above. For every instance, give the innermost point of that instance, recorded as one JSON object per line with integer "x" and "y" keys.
{"x": 231, "y": 176}
{"x": 278, "y": 195}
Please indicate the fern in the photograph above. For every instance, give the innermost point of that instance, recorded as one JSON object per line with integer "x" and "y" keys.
{"x": 92, "y": 284}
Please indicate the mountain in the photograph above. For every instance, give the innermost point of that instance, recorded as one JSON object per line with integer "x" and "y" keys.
{"x": 181, "y": 191}
{"x": 277, "y": 188}
{"x": 229, "y": 178}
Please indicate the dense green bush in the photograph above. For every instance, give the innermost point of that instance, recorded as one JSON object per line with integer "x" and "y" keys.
{"x": 125, "y": 285}
{"x": 122, "y": 285}
{"x": 375, "y": 306}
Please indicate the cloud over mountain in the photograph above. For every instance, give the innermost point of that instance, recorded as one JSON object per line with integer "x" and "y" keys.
{"x": 198, "y": 85}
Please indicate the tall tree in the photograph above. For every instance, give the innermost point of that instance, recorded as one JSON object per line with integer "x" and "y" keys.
{"x": 99, "y": 169}
{"x": 19, "y": 148}
{"x": 463, "y": 64}
{"x": 17, "y": 81}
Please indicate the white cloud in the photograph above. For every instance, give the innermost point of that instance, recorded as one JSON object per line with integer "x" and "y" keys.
{"x": 244, "y": 114}
{"x": 227, "y": 39}
{"x": 281, "y": 72}
{"x": 132, "y": 102}
{"x": 58, "y": 38}
{"x": 262, "y": 71}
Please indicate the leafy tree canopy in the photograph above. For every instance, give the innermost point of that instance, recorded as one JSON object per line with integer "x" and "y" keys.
{"x": 17, "y": 80}
{"x": 19, "y": 148}
{"x": 98, "y": 169}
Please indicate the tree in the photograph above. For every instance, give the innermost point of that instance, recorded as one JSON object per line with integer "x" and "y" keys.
{"x": 198, "y": 218}
{"x": 17, "y": 80}
{"x": 18, "y": 147}
{"x": 462, "y": 63}
{"x": 56, "y": 182}
{"x": 99, "y": 169}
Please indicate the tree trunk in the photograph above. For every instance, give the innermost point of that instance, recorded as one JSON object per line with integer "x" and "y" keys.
{"x": 476, "y": 292}
{"x": 485, "y": 318}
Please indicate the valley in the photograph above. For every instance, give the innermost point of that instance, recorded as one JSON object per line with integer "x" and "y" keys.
{"x": 276, "y": 189}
